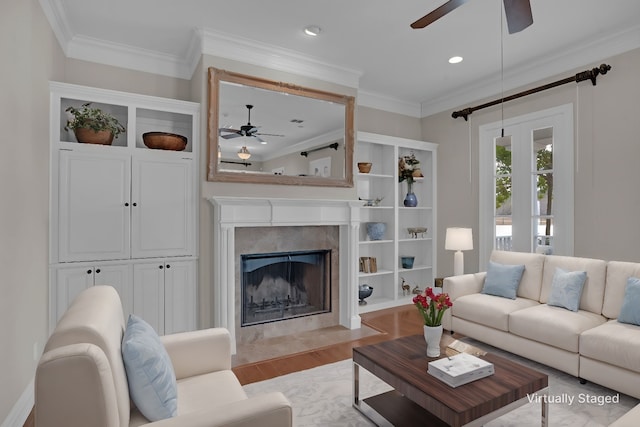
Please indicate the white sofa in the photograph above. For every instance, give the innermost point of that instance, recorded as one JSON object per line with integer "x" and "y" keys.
{"x": 590, "y": 343}
{"x": 81, "y": 378}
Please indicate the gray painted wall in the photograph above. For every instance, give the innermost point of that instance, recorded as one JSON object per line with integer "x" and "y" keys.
{"x": 607, "y": 176}
{"x": 607, "y": 149}
{"x": 30, "y": 57}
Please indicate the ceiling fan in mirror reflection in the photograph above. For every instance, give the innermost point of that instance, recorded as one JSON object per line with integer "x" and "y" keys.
{"x": 247, "y": 130}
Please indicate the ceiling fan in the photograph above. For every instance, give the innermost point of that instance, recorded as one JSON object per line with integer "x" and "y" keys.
{"x": 517, "y": 12}
{"x": 245, "y": 130}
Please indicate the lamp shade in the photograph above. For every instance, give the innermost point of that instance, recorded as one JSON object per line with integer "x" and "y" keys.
{"x": 458, "y": 239}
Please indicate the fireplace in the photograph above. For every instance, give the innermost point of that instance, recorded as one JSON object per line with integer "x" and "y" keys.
{"x": 284, "y": 285}
{"x": 243, "y": 225}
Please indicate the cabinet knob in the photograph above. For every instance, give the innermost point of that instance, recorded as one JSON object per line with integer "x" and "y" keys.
{"x": 160, "y": 267}
{"x": 135, "y": 204}
{"x": 126, "y": 204}
{"x": 97, "y": 270}
{"x": 89, "y": 271}
{"x": 168, "y": 265}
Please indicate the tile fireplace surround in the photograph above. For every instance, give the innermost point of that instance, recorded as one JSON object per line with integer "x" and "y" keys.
{"x": 235, "y": 212}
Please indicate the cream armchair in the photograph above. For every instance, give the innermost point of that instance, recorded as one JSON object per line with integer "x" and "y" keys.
{"x": 81, "y": 379}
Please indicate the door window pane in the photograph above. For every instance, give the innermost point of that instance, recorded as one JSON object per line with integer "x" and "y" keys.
{"x": 543, "y": 235}
{"x": 503, "y": 211}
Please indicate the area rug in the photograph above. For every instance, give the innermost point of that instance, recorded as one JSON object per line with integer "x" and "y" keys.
{"x": 322, "y": 397}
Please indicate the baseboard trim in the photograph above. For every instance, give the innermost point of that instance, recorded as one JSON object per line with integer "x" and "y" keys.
{"x": 21, "y": 410}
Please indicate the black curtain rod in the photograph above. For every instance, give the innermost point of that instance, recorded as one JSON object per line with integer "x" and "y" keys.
{"x": 334, "y": 146}
{"x": 233, "y": 162}
{"x": 591, "y": 74}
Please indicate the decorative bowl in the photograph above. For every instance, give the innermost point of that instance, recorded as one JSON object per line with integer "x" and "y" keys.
{"x": 364, "y": 167}
{"x": 164, "y": 141}
{"x": 407, "y": 261}
{"x": 364, "y": 291}
{"x": 414, "y": 231}
{"x": 375, "y": 230}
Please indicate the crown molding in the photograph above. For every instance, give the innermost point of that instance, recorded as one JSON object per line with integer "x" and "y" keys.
{"x": 589, "y": 54}
{"x": 387, "y": 103}
{"x": 125, "y": 56}
{"x": 254, "y": 52}
{"x": 55, "y": 14}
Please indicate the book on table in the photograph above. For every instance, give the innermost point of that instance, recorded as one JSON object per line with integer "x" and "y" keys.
{"x": 460, "y": 369}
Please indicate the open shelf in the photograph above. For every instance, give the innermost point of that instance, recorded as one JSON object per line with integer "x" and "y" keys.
{"x": 382, "y": 182}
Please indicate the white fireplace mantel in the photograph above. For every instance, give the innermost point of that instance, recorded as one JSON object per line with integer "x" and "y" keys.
{"x": 232, "y": 212}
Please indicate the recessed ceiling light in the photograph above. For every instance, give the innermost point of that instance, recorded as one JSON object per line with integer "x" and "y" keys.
{"x": 312, "y": 30}
{"x": 455, "y": 59}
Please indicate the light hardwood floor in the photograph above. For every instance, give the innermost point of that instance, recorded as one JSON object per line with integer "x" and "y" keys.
{"x": 391, "y": 323}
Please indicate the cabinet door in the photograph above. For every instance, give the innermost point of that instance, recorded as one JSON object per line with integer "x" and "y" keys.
{"x": 180, "y": 296}
{"x": 94, "y": 212}
{"x": 70, "y": 281}
{"x": 118, "y": 276}
{"x": 162, "y": 207}
{"x": 148, "y": 293}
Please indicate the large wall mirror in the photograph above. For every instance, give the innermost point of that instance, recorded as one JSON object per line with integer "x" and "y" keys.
{"x": 264, "y": 131}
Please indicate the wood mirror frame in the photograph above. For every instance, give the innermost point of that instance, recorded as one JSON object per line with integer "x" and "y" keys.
{"x": 214, "y": 173}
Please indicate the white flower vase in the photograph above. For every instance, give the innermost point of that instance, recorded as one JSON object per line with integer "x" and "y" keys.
{"x": 432, "y": 335}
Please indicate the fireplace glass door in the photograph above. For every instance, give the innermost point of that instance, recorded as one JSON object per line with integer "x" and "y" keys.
{"x": 283, "y": 285}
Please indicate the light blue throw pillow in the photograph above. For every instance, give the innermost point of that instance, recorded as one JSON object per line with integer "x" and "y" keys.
{"x": 502, "y": 280}
{"x": 152, "y": 381}
{"x": 630, "y": 311}
{"x": 566, "y": 289}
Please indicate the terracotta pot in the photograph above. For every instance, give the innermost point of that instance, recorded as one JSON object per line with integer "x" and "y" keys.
{"x": 364, "y": 167}
{"x": 89, "y": 136}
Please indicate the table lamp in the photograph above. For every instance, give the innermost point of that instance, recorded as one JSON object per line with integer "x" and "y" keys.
{"x": 458, "y": 239}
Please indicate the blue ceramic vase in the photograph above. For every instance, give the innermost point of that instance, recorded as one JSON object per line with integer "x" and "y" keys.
{"x": 410, "y": 200}
{"x": 375, "y": 230}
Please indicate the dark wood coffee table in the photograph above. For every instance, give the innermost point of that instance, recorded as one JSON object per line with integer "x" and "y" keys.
{"x": 421, "y": 399}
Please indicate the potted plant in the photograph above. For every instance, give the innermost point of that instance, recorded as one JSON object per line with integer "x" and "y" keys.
{"x": 92, "y": 125}
{"x": 432, "y": 305}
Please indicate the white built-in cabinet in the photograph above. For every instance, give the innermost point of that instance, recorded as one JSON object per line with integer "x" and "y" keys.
{"x": 125, "y": 215}
{"x": 382, "y": 183}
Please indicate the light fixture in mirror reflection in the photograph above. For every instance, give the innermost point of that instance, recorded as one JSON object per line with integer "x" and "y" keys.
{"x": 263, "y": 131}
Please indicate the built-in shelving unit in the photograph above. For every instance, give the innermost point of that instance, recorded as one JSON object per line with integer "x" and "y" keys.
{"x": 382, "y": 182}
{"x": 124, "y": 214}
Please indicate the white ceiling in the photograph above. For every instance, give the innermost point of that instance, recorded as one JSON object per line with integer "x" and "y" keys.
{"x": 366, "y": 44}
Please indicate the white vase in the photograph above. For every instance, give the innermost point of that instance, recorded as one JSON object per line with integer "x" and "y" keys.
{"x": 432, "y": 336}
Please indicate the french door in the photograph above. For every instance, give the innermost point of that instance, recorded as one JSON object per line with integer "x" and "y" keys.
{"x": 526, "y": 184}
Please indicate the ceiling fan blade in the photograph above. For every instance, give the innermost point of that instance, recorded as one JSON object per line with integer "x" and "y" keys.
{"x": 268, "y": 134}
{"x": 230, "y": 136}
{"x": 229, "y": 130}
{"x": 518, "y": 14}
{"x": 438, "y": 13}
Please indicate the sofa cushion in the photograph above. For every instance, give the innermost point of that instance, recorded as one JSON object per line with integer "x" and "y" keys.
{"x": 152, "y": 381}
{"x": 554, "y": 326}
{"x": 202, "y": 392}
{"x": 593, "y": 290}
{"x": 531, "y": 281}
{"x": 566, "y": 289}
{"x": 613, "y": 342}
{"x": 502, "y": 280}
{"x": 489, "y": 310}
{"x": 630, "y": 312}
{"x": 617, "y": 274}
